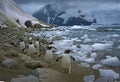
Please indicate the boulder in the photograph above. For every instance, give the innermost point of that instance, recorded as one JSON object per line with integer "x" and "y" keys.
{"x": 10, "y": 63}
{"x": 29, "y": 78}
{"x": 33, "y": 64}
{"x": 49, "y": 75}
{"x": 24, "y": 57}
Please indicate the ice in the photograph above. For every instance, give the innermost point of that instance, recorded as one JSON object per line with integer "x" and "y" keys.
{"x": 86, "y": 49}
{"x": 76, "y": 27}
{"x": 93, "y": 55}
{"x": 115, "y": 35}
{"x": 101, "y": 46}
{"x": 85, "y": 36}
{"x": 111, "y": 61}
{"x": 87, "y": 40}
{"x": 97, "y": 66}
{"x": 118, "y": 47}
{"x": 89, "y": 78}
{"x": 108, "y": 73}
{"x": 89, "y": 60}
{"x": 84, "y": 65}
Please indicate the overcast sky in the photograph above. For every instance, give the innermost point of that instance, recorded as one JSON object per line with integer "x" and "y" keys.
{"x": 30, "y": 6}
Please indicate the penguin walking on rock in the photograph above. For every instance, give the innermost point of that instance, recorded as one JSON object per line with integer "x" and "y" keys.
{"x": 31, "y": 49}
{"x": 22, "y": 45}
{"x": 49, "y": 56}
{"x": 66, "y": 61}
{"x": 37, "y": 46}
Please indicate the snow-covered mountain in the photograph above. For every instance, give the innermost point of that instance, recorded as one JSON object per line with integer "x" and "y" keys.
{"x": 54, "y": 15}
{"x": 10, "y": 11}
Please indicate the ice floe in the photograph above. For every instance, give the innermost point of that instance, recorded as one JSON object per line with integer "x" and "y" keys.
{"x": 111, "y": 61}
{"x": 108, "y": 73}
{"x": 89, "y": 78}
{"x": 97, "y": 66}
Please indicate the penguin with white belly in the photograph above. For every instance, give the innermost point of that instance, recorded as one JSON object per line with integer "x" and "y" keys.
{"x": 31, "y": 49}
{"x": 49, "y": 56}
{"x": 37, "y": 46}
{"x": 22, "y": 45}
{"x": 66, "y": 61}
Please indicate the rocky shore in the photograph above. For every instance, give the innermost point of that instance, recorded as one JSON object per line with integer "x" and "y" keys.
{"x": 15, "y": 66}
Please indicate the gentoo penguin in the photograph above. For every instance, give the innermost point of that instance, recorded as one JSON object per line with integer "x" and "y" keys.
{"x": 31, "y": 49}
{"x": 22, "y": 45}
{"x": 66, "y": 61}
{"x": 37, "y": 46}
{"x": 49, "y": 56}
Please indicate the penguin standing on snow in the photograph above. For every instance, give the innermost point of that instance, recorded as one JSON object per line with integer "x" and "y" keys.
{"x": 66, "y": 61}
{"x": 49, "y": 56}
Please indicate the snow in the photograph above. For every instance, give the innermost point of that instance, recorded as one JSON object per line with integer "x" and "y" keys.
{"x": 101, "y": 46}
{"x": 10, "y": 8}
{"x": 108, "y": 73}
{"x": 89, "y": 78}
{"x": 111, "y": 61}
{"x": 97, "y": 66}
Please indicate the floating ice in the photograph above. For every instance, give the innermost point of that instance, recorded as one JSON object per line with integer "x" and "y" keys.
{"x": 97, "y": 66}
{"x": 115, "y": 35}
{"x": 108, "y": 73}
{"x": 89, "y": 60}
{"x": 101, "y": 46}
{"x": 111, "y": 61}
{"x": 89, "y": 78}
{"x": 87, "y": 40}
{"x": 85, "y": 65}
{"x": 85, "y": 36}
{"x": 93, "y": 55}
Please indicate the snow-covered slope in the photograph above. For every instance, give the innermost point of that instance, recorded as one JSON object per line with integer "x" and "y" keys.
{"x": 11, "y": 10}
{"x": 55, "y": 15}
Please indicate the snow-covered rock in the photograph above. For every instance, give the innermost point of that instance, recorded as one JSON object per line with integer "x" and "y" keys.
{"x": 111, "y": 61}
{"x": 108, "y": 73}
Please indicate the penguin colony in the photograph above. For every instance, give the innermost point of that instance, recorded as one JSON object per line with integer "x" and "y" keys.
{"x": 33, "y": 47}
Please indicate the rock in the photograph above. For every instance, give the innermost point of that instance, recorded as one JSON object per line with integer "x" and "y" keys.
{"x": 29, "y": 78}
{"x": 10, "y": 63}
{"x": 24, "y": 57}
{"x": 33, "y": 64}
{"x": 49, "y": 75}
